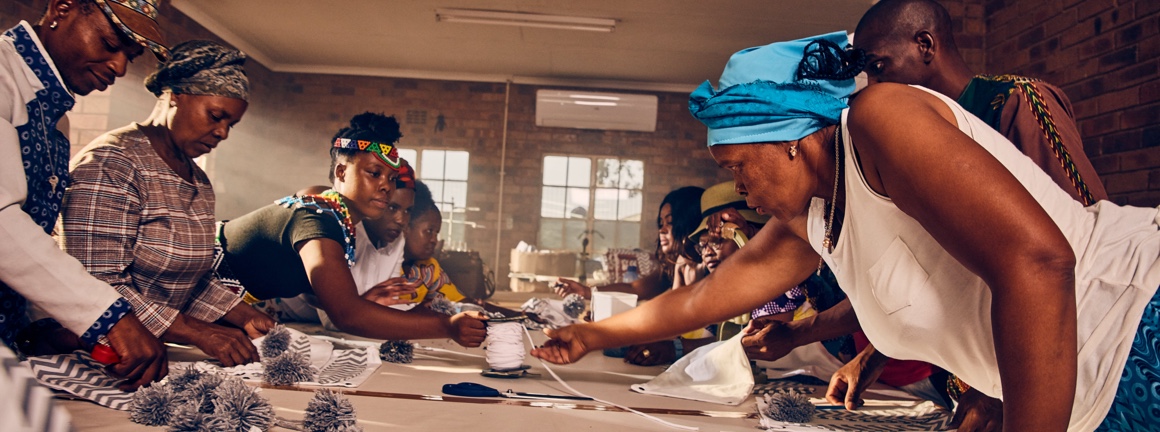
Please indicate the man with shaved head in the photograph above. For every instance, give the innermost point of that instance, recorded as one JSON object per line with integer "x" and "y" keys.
{"x": 910, "y": 42}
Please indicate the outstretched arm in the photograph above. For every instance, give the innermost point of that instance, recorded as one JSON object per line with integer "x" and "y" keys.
{"x": 330, "y": 277}
{"x": 976, "y": 210}
{"x": 774, "y": 262}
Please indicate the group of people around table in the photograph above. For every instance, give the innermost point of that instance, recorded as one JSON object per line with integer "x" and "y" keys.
{"x": 939, "y": 231}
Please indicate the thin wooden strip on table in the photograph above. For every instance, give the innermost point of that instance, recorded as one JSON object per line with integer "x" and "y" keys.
{"x": 514, "y": 402}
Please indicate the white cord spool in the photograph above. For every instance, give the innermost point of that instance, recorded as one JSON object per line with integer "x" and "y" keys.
{"x": 505, "y": 346}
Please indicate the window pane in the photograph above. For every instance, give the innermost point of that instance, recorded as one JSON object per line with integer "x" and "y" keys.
{"x": 606, "y": 202}
{"x": 628, "y": 235}
{"x": 456, "y": 166}
{"x": 555, "y": 171}
{"x": 630, "y": 205}
{"x": 552, "y": 202}
{"x": 604, "y": 237}
{"x": 577, "y": 206}
{"x": 573, "y": 234}
{"x": 607, "y": 171}
{"x": 579, "y": 172}
{"x": 432, "y": 166}
{"x": 455, "y": 192}
{"x": 551, "y": 233}
{"x": 631, "y": 174}
{"x": 411, "y": 156}
{"x": 436, "y": 191}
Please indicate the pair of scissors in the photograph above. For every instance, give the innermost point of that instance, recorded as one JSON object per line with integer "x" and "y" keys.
{"x": 470, "y": 389}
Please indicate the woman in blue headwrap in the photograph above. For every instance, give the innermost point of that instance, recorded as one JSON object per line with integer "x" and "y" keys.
{"x": 952, "y": 246}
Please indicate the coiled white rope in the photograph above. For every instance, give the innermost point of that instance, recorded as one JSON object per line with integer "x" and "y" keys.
{"x": 578, "y": 393}
{"x": 505, "y": 346}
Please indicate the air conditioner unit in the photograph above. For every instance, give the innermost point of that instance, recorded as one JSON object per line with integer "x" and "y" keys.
{"x": 592, "y": 110}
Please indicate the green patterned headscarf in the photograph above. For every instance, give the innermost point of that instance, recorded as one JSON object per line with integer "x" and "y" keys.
{"x": 202, "y": 68}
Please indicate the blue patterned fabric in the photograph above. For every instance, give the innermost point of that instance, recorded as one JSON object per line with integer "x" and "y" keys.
{"x": 44, "y": 148}
{"x": 1137, "y": 403}
{"x": 112, "y": 315}
{"x": 45, "y": 152}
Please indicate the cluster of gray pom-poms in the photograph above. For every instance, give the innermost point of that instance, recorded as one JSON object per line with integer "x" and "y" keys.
{"x": 195, "y": 401}
{"x": 191, "y": 400}
{"x": 280, "y": 365}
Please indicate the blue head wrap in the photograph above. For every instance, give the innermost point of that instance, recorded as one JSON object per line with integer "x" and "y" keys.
{"x": 764, "y": 99}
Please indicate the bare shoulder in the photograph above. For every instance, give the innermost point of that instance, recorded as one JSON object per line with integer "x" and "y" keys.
{"x": 896, "y": 108}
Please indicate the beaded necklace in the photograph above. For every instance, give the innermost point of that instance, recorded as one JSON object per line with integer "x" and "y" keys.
{"x": 329, "y": 202}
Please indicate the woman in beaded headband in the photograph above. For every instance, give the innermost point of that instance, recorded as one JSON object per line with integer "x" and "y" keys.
{"x": 953, "y": 247}
{"x": 295, "y": 257}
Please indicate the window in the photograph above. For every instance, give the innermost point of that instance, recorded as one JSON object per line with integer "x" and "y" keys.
{"x": 591, "y": 197}
{"x": 445, "y": 172}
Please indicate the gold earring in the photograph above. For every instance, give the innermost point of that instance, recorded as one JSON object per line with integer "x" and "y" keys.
{"x": 792, "y": 151}
{"x": 52, "y": 25}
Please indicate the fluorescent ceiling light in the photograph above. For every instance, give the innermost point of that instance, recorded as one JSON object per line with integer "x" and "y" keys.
{"x": 521, "y": 19}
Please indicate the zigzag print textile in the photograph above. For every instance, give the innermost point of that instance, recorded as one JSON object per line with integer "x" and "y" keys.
{"x": 345, "y": 366}
{"x": 80, "y": 375}
{"x": 1137, "y": 403}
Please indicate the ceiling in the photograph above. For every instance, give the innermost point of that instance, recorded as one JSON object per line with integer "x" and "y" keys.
{"x": 657, "y": 45}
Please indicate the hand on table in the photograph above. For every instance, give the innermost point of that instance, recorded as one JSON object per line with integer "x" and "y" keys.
{"x": 651, "y": 354}
{"x": 564, "y": 287}
{"x": 391, "y": 291}
{"x": 977, "y": 412}
{"x": 767, "y": 339}
{"x": 566, "y": 345}
{"x": 229, "y": 345}
{"x": 143, "y": 358}
{"x": 848, "y": 383}
{"x": 468, "y": 329}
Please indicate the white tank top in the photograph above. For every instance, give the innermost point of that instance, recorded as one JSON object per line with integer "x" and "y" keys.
{"x": 916, "y": 302}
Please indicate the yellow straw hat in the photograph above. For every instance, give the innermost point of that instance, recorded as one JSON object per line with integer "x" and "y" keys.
{"x": 720, "y": 197}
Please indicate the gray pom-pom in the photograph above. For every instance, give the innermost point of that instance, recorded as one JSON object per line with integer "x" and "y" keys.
{"x": 397, "y": 351}
{"x": 181, "y": 380}
{"x": 790, "y": 407}
{"x": 287, "y": 368}
{"x": 241, "y": 408}
{"x": 187, "y": 418}
{"x": 442, "y": 305}
{"x": 152, "y": 405}
{"x": 574, "y": 305}
{"x": 200, "y": 392}
{"x": 329, "y": 411}
{"x": 276, "y": 342}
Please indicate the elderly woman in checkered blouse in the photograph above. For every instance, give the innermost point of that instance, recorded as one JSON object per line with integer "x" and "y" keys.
{"x": 140, "y": 213}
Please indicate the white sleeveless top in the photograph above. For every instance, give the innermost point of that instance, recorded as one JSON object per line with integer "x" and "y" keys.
{"x": 916, "y": 302}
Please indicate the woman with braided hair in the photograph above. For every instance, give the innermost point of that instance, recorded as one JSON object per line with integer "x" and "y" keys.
{"x": 953, "y": 247}
{"x": 306, "y": 245}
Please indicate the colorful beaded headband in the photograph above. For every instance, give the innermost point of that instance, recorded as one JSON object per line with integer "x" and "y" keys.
{"x": 386, "y": 152}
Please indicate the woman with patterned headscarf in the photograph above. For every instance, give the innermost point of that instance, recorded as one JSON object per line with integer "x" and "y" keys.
{"x": 953, "y": 247}
{"x": 140, "y": 213}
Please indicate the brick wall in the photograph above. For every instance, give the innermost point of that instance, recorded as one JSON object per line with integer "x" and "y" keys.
{"x": 970, "y": 28}
{"x": 1104, "y": 54}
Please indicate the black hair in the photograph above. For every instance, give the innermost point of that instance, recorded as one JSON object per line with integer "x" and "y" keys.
{"x": 685, "y": 204}
{"x": 367, "y": 126}
{"x": 424, "y": 201}
{"x": 828, "y": 61}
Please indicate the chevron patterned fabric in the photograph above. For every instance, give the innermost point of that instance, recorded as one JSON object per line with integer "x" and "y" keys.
{"x": 79, "y": 375}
